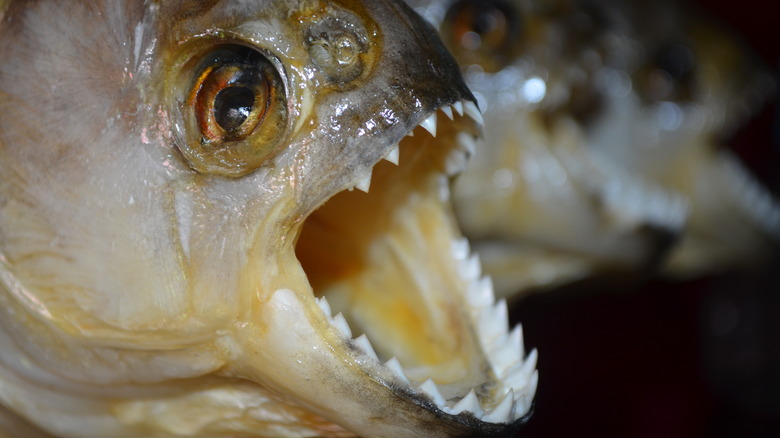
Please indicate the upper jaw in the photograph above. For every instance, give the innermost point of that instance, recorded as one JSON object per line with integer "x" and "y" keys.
{"x": 353, "y": 360}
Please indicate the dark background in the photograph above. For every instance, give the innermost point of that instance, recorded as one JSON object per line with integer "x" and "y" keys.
{"x": 665, "y": 359}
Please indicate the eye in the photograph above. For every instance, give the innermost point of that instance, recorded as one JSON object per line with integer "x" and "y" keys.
{"x": 482, "y": 32}
{"x": 669, "y": 76}
{"x": 236, "y": 111}
{"x": 231, "y": 101}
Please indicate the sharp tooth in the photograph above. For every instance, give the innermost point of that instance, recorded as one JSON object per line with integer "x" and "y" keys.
{"x": 531, "y": 392}
{"x": 430, "y": 124}
{"x": 456, "y": 162}
{"x": 458, "y": 108}
{"x": 460, "y": 248}
{"x": 493, "y": 323}
{"x": 470, "y": 268}
{"x": 505, "y": 354}
{"x": 519, "y": 375}
{"x": 410, "y": 134}
{"x": 520, "y": 408}
{"x": 397, "y": 369}
{"x": 365, "y": 183}
{"x": 394, "y": 155}
{"x": 364, "y": 344}
{"x": 480, "y": 293}
{"x": 324, "y": 305}
{"x": 501, "y": 413}
{"x": 467, "y": 403}
{"x": 430, "y": 388}
{"x": 471, "y": 109}
{"x": 448, "y": 111}
{"x": 341, "y": 324}
{"x": 467, "y": 142}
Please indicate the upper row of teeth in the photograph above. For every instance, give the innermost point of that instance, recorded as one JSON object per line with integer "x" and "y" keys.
{"x": 505, "y": 350}
{"x": 456, "y": 161}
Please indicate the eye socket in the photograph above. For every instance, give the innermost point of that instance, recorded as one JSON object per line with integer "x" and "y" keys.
{"x": 482, "y": 32}
{"x": 236, "y": 111}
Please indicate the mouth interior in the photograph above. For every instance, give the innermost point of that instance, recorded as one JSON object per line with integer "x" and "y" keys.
{"x": 397, "y": 282}
{"x": 383, "y": 259}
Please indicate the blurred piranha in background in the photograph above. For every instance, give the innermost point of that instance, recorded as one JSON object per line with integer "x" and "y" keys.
{"x": 182, "y": 252}
{"x": 604, "y": 128}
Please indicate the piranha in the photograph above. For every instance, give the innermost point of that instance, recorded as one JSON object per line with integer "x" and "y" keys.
{"x": 604, "y": 136}
{"x": 232, "y": 217}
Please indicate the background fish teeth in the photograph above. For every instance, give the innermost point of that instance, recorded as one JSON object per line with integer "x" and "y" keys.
{"x": 503, "y": 410}
{"x": 430, "y": 388}
{"x": 341, "y": 325}
{"x": 394, "y": 155}
{"x": 447, "y": 110}
{"x": 430, "y": 124}
{"x": 467, "y": 142}
{"x": 456, "y": 162}
{"x": 364, "y": 344}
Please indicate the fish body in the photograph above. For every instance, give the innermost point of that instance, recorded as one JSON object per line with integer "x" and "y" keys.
{"x": 189, "y": 245}
{"x": 602, "y": 149}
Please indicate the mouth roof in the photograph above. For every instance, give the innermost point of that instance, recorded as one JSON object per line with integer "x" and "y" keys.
{"x": 401, "y": 290}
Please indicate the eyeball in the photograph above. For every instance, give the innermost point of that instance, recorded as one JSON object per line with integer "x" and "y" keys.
{"x": 235, "y": 114}
{"x": 482, "y": 32}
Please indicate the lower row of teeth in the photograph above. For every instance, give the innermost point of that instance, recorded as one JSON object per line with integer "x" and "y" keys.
{"x": 518, "y": 375}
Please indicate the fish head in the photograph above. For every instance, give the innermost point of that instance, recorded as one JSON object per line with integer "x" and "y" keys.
{"x": 186, "y": 225}
{"x": 602, "y": 152}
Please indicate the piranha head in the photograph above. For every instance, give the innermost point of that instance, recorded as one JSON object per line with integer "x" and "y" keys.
{"x": 233, "y": 217}
{"x": 603, "y": 128}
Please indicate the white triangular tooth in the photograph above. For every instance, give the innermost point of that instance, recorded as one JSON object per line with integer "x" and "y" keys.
{"x": 468, "y": 403}
{"x": 365, "y": 183}
{"x": 519, "y": 375}
{"x": 340, "y": 323}
{"x": 460, "y": 248}
{"x": 470, "y": 269}
{"x": 470, "y": 108}
{"x": 430, "y": 124}
{"x": 520, "y": 408}
{"x": 532, "y": 385}
{"x": 447, "y": 110}
{"x": 455, "y": 162}
{"x": 505, "y": 353}
{"x": 365, "y": 345}
{"x": 430, "y": 388}
{"x": 480, "y": 293}
{"x": 410, "y": 133}
{"x": 397, "y": 369}
{"x": 324, "y": 305}
{"x": 458, "y": 106}
{"x": 467, "y": 142}
{"x": 503, "y": 411}
{"x": 493, "y": 323}
{"x": 394, "y": 155}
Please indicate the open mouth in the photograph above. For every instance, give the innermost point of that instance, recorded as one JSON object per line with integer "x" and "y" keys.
{"x": 402, "y": 293}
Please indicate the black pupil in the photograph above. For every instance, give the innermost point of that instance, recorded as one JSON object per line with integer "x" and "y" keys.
{"x": 232, "y": 107}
